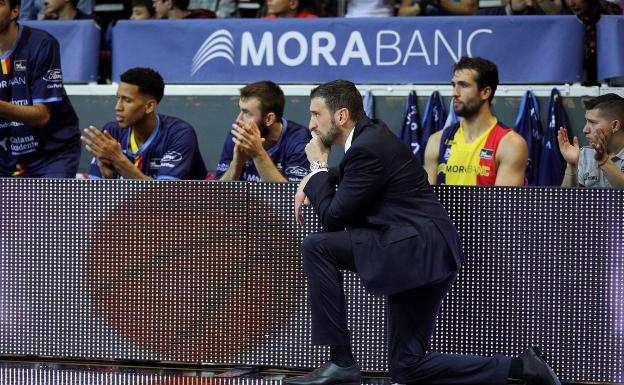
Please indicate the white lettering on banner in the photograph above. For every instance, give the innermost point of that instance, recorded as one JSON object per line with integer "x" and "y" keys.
{"x": 320, "y": 47}
{"x": 303, "y": 48}
{"x": 19, "y": 102}
{"x": 472, "y": 36}
{"x": 248, "y": 49}
{"x": 438, "y": 36}
{"x": 393, "y": 47}
{"x": 355, "y": 49}
{"x": 323, "y": 50}
{"x": 422, "y": 52}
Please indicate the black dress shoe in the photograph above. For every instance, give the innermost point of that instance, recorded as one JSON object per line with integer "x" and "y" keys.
{"x": 328, "y": 374}
{"x": 535, "y": 370}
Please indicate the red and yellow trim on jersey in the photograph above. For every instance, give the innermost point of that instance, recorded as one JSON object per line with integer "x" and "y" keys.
{"x": 20, "y": 169}
{"x": 134, "y": 148}
{"x": 6, "y": 66}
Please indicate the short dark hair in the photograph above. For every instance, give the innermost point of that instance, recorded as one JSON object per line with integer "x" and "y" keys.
{"x": 487, "y": 72}
{"x": 182, "y": 4}
{"x": 148, "y": 4}
{"x": 15, "y": 3}
{"x": 269, "y": 94}
{"x": 339, "y": 94}
{"x": 312, "y": 6}
{"x": 149, "y": 81}
{"x": 611, "y": 106}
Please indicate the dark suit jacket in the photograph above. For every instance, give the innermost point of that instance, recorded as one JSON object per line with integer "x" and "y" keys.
{"x": 401, "y": 235}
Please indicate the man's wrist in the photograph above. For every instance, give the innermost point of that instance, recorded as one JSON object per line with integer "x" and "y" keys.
{"x": 571, "y": 169}
{"x": 603, "y": 162}
{"x": 260, "y": 154}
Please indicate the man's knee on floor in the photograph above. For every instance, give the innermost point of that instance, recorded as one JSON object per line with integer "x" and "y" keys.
{"x": 406, "y": 370}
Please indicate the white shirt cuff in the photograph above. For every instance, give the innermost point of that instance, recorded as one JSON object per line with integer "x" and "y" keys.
{"x": 317, "y": 171}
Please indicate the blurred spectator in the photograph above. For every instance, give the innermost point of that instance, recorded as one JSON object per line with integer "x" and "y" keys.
{"x": 223, "y": 8}
{"x": 368, "y": 8}
{"x": 550, "y": 7}
{"x": 478, "y": 150}
{"x": 601, "y": 164}
{"x": 178, "y": 9}
{"x": 300, "y": 9}
{"x": 588, "y": 12}
{"x": 63, "y": 10}
{"x": 329, "y": 8}
{"x": 33, "y": 9}
{"x": 438, "y": 7}
{"x": 142, "y": 10}
{"x": 513, "y": 7}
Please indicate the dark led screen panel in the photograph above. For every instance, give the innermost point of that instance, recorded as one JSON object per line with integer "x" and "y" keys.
{"x": 210, "y": 272}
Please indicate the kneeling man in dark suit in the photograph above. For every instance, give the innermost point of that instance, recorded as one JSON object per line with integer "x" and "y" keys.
{"x": 385, "y": 223}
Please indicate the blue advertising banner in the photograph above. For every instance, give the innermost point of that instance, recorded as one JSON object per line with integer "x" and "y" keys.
{"x": 610, "y": 46}
{"x": 540, "y": 49}
{"x": 80, "y": 47}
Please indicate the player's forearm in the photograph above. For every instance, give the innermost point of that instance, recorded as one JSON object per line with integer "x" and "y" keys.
{"x": 512, "y": 178}
{"x": 126, "y": 169}
{"x": 267, "y": 170}
{"x": 570, "y": 177}
{"x": 37, "y": 116}
{"x": 107, "y": 171}
{"x": 234, "y": 171}
{"x": 614, "y": 175}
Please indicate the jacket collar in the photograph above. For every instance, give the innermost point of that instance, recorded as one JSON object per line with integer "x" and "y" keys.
{"x": 359, "y": 127}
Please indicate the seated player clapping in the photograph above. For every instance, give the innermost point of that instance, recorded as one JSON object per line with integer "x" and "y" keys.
{"x": 142, "y": 144}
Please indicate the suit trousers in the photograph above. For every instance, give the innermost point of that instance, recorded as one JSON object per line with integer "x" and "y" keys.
{"x": 411, "y": 317}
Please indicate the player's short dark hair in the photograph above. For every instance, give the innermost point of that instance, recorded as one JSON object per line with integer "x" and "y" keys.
{"x": 15, "y": 3}
{"x": 339, "y": 94}
{"x": 182, "y": 4}
{"x": 149, "y": 81}
{"x": 148, "y": 4}
{"x": 611, "y": 106}
{"x": 487, "y": 72}
{"x": 269, "y": 94}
